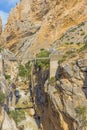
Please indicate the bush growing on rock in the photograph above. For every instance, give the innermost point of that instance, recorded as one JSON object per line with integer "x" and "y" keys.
{"x": 2, "y": 98}
{"x": 1, "y": 49}
{"x": 17, "y": 115}
{"x": 82, "y": 114}
{"x": 43, "y": 62}
{"x": 24, "y": 70}
{"x": 7, "y": 76}
{"x": 83, "y": 47}
{"x": 52, "y": 80}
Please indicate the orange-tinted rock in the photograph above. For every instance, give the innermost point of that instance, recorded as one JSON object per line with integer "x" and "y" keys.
{"x": 34, "y": 24}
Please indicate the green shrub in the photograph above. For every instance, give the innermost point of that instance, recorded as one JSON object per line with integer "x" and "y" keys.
{"x": 78, "y": 43}
{"x": 81, "y": 29}
{"x": 17, "y": 115}
{"x": 1, "y": 49}
{"x": 52, "y": 80}
{"x": 83, "y": 48}
{"x": 72, "y": 37}
{"x": 69, "y": 43}
{"x": 62, "y": 59}
{"x": 83, "y": 33}
{"x": 2, "y": 98}
{"x": 25, "y": 82}
{"x": 43, "y": 62}
{"x": 82, "y": 24}
{"x": 24, "y": 70}
{"x": 7, "y": 76}
{"x": 82, "y": 114}
{"x": 42, "y": 49}
{"x": 68, "y": 54}
{"x": 28, "y": 66}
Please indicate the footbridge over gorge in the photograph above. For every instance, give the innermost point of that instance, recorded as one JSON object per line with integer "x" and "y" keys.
{"x": 53, "y": 61}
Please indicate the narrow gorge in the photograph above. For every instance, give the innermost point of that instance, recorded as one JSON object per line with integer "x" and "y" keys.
{"x": 43, "y": 66}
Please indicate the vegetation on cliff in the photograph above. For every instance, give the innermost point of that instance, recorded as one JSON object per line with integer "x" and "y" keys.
{"x": 2, "y": 98}
{"x": 24, "y": 70}
{"x": 82, "y": 114}
{"x": 17, "y": 115}
{"x": 43, "y": 63}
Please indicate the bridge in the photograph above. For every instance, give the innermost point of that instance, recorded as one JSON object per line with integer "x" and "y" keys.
{"x": 53, "y": 61}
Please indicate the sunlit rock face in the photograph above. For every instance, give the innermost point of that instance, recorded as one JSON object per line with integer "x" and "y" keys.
{"x": 60, "y": 101}
{"x": 34, "y": 24}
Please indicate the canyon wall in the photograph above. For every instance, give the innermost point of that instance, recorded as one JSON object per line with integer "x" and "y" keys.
{"x": 61, "y": 103}
{"x": 56, "y": 102}
{"x": 34, "y": 24}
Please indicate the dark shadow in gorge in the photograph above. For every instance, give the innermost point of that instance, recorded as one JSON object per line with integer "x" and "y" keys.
{"x": 38, "y": 95}
{"x": 59, "y": 73}
{"x": 39, "y": 100}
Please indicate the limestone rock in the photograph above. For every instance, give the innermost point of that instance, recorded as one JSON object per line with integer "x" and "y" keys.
{"x": 31, "y": 112}
{"x": 33, "y": 25}
{"x": 76, "y": 72}
{"x": 68, "y": 70}
{"x": 29, "y": 124}
{"x": 36, "y": 24}
{"x": 65, "y": 96}
{"x": 82, "y": 63}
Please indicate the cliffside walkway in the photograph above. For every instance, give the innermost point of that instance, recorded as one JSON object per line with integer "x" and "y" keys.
{"x": 53, "y": 61}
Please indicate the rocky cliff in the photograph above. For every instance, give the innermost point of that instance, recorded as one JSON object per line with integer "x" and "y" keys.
{"x": 6, "y": 123}
{"x": 67, "y": 97}
{"x": 74, "y": 35}
{"x": 34, "y": 24}
{"x": 44, "y": 102}
{"x": 61, "y": 101}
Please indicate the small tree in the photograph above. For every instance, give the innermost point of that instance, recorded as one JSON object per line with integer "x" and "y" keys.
{"x": 2, "y": 98}
{"x": 24, "y": 70}
{"x": 43, "y": 63}
{"x": 17, "y": 115}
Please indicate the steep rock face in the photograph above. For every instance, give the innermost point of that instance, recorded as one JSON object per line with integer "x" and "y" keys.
{"x": 65, "y": 97}
{"x": 37, "y": 24}
{"x": 6, "y": 123}
{"x": 74, "y": 35}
